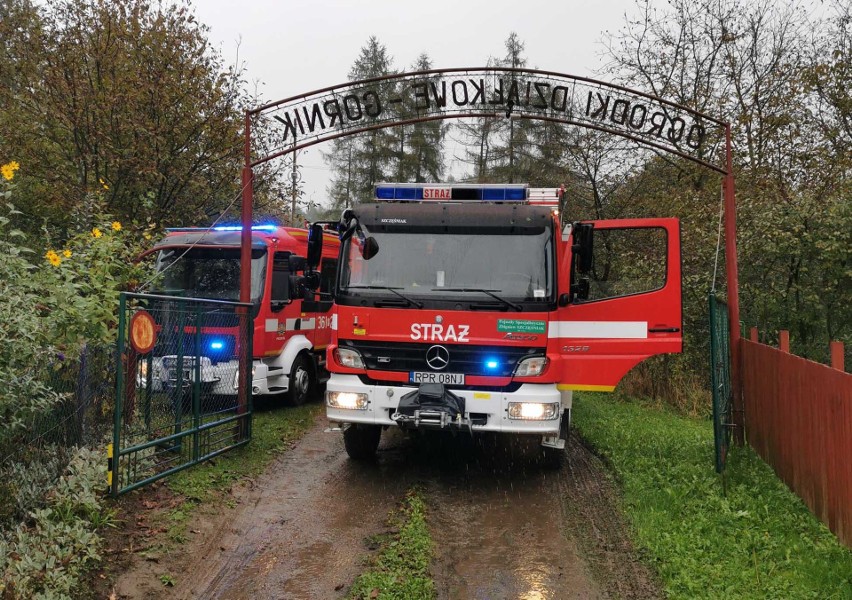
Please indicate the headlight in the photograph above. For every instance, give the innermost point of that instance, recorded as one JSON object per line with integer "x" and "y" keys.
{"x": 532, "y": 366}
{"x": 534, "y": 411}
{"x": 348, "y": 358}
{"x": 349, "y": 400}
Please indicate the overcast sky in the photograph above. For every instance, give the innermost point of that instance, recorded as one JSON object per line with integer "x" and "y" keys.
{"x": 296, "y": 46}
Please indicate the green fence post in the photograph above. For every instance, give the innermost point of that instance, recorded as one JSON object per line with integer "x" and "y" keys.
{"x": 196, "y": 387}
{"x": 149, "y": 384}
{"x": 177, "y": 396}
{"x": 114, "y": 461}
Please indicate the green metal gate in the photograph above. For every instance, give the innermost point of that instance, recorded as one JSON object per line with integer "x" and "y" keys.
{"x": 720, "y": 378}
{"x": 183, "y": 385}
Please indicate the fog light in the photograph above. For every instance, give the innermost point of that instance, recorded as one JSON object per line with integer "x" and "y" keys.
{"x": 348, "y": 400}
{"x": 534, "y": 411}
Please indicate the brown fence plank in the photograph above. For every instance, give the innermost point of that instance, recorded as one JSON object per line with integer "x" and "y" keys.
{"x": 799, "y": 420}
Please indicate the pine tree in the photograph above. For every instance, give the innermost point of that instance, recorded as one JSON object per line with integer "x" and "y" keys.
{"x": 423, "y": 157}
{"x": 359, "y": 162}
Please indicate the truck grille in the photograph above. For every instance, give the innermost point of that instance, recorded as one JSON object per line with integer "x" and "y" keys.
{"x": 467, "y": 359}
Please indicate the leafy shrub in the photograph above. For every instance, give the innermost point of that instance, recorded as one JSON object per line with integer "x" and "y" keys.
{"x": 46, "y": 556}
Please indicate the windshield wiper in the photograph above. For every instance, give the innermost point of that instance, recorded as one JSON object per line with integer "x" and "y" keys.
{"x": 390, "y": 289}
{"x": 491, "y": 293}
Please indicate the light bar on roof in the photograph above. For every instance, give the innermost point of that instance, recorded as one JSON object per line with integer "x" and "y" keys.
{"x": 432, "y": 192}
{"x": 240, "y": 228}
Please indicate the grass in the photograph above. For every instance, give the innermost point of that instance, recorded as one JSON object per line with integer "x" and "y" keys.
{"x": 758, "y": 541}
{"x": 400, "y": 571}
{"x": 272, "y": 432}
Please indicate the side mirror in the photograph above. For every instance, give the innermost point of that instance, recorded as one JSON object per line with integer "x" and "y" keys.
{"x": 369, "y": 248}
{"x": 295, "y": 263}
{"x": 311, "y": 281}
{"x": 348, "y": 224}
{"x": 315, "y": 235}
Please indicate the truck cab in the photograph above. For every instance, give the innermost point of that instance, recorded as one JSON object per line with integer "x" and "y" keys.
{"x": 292, "y": 326}
{"x": 471, "y": 307}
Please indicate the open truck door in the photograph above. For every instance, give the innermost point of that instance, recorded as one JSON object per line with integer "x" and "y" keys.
{"x": 623, "y": 300}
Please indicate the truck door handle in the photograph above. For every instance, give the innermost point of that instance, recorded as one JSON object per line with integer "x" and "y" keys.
{"x": 663, "y": 329}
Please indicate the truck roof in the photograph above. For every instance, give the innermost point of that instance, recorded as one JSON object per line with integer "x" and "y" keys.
{"x": 261, "y": 237}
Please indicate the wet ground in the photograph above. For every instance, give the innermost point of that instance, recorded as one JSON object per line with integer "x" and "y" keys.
{"x": 504, "y": 526}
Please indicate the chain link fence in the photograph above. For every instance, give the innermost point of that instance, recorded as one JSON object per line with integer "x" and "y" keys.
{"x": 183, "y": 386}
{"x": 76, "y": 395}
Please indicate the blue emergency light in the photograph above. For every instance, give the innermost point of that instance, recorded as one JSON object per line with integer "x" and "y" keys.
{"x": 437, "y": 192}
{"x": 492, "y": 363}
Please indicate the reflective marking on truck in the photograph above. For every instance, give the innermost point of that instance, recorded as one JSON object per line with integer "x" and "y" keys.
{"x": 334, "y": 322}
{"x": 271, "y": 326}
{"x": 301, "y": 324}
{"x": 564, "y": 387}
{"x": 598, "y": 329}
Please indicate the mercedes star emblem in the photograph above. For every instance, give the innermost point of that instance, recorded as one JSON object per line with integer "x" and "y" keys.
{"x": 437, "y": 357}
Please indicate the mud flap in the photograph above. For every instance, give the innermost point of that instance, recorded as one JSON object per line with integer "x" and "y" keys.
{"x": 430, "y": 405}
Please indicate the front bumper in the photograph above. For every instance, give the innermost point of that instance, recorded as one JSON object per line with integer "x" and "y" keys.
{"x": 219, "y": 378}
{"x": 486, "y": 411}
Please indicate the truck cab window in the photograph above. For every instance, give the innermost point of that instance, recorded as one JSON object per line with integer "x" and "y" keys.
{"x": 328, "y": 274}
{"x": 627, "y": 262}
{"x": 280, "y": 281}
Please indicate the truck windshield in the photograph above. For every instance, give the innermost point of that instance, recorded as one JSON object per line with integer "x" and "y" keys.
{"x": 451, "y": 265}
{"x": 212, "y": 273}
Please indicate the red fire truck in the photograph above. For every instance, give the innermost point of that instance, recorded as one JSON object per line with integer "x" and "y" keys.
{"x": 291, "y": 330}
{"x": 469, "y": 307}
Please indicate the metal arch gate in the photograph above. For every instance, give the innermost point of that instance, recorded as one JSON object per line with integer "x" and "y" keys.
{"x": 405, "y": 98}
{"x": 183, "y": 394}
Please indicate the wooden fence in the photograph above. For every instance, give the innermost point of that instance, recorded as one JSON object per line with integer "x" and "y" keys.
{"x": 798, "y": 417}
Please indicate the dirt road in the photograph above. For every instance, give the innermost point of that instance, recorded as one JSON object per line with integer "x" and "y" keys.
{"x": 503, "y": 526}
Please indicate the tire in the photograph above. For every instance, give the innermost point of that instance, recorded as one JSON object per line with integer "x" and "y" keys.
{"x": 554, "y": 458}
{"x": 303, "y": 383}
{"x": 362, "y": 441}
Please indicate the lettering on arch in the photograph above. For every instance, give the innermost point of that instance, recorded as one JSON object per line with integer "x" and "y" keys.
{"x": 403, "y": 98}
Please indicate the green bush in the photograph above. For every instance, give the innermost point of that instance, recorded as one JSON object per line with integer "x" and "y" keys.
{"x": 46, "y": 556}
{"x": 58, "y": 299}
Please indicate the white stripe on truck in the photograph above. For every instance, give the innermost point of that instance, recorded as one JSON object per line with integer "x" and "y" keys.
{"x": 598, "y": 329}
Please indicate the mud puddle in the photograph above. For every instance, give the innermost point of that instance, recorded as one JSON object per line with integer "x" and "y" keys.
{"x": 503, "y": 525}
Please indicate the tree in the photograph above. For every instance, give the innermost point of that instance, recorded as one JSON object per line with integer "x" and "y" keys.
{"x": 757, "y": 66}
{"x": 359, "y": 162}
{"x": 121, "y": 97}
{"x": 422, "y": 158}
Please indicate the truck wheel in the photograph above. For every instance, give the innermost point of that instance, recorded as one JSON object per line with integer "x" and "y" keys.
{"x": 302, "y": 383}
{"x": 362, "y": 441}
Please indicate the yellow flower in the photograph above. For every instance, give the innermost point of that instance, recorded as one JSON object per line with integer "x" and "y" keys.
{"x": 53, "y": 258}
{"x": 9, "y": 169}
{"x": 116, "y": 226}
{"x": 66, "y": 253}
{"x": 146, "y": 235}
{"x": 103, "y": 183}
{"x": 96, "y": 232}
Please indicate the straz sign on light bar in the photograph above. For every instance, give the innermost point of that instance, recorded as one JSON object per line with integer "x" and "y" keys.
{"x": 437, "y": 193}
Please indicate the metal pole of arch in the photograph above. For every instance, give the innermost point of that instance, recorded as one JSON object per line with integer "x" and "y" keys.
{"x": 737, "y": 412}
{"x": 245, "y": 270}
